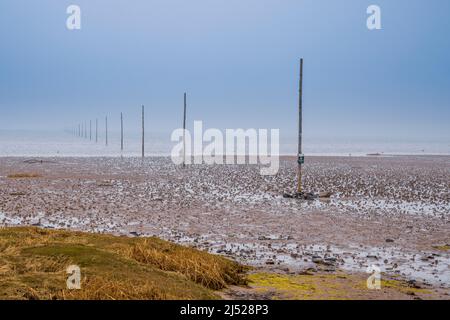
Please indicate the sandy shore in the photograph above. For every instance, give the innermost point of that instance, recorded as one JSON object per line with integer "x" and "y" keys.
{"x": 390, "y": 211}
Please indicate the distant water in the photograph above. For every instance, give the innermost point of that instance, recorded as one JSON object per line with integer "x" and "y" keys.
{"x": 33, "y": 144}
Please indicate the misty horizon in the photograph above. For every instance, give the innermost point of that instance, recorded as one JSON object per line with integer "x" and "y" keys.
{"x": 237, "y": 61}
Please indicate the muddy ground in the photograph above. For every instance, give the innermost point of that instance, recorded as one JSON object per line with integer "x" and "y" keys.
{"x": 392, "y": 212}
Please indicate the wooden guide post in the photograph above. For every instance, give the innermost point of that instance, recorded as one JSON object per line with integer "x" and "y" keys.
{"x": 106, "y": 130}
{"x": 121, "y": 131}
{"x": 143, "y": 132}
{"x": 300, "y": 158}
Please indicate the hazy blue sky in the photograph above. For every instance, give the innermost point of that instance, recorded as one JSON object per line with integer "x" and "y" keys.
{"x": 238, "y": 60}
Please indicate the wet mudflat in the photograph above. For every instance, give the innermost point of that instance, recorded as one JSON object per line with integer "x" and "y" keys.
{"x": 389, "y": 211}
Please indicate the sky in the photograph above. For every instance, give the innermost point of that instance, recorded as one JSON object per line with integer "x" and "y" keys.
{"x": 236, "y": 59}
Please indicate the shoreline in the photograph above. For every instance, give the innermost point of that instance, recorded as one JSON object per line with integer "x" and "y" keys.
{"x": 282, "y": 156}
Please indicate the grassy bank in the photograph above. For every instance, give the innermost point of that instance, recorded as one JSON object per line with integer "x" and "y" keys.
{"x": 33, "y": 265}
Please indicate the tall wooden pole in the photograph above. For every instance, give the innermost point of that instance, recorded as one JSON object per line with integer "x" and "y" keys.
{"x": 121, "y": 131}
{"x": 96, "y": 130}
{"x": 90, "y": 130}
{"x": 85, "y": 130}
{"x": 79, "y": 130}
{"x": 300, "y": 155}
{"x": 143, "y": 133}
{"x": 184, "y": 131}
{"x": 106, "y": 130}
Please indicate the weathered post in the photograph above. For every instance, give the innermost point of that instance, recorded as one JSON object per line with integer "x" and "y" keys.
{"x": 106, "y": 130}
{"x": 96, "y": 130}
{"x": 300, "y": 158}
{"x": 143, "y": 133}
{"x": 184, "y": 132}
{"x": 121, "y": 131}
{"x": 79, "y": 130}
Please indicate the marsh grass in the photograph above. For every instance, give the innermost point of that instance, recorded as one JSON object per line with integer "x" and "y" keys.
{"x": 33, "y": 265}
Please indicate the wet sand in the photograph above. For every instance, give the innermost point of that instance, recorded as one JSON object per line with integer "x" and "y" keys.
{"x": 393, "y": 212}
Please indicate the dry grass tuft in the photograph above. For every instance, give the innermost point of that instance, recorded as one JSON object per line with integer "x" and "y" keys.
{"x": 97, "y": 288}
{"x": 210, "y": 271}
{"x": 24, "y": 175}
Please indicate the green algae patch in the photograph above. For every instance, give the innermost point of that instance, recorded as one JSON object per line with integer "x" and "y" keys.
{"x": 285, "y": 286}
{"x": 301, "y": 287}
{"x": 404, "y": 287}
{"x": 331, "y": 286}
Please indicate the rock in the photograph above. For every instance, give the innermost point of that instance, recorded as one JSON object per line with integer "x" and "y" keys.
{"x": 104, "y": 183}
{"x": 329, "y": 269}
{"x": 389, "y": 240}
{"x": 305, "y": 273}
{"x": 414, "y": 284}
{"x": 301, "y": 196}
{"x": 325, "y": 194}
{"x": 308, "y": 272}
{"x": 33, "y": 161}
{"x": 325, "y": 262}
{"x": 309, "y": 196}
{"x": 270, "y": 262}
{"x": 17, "y": 193}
